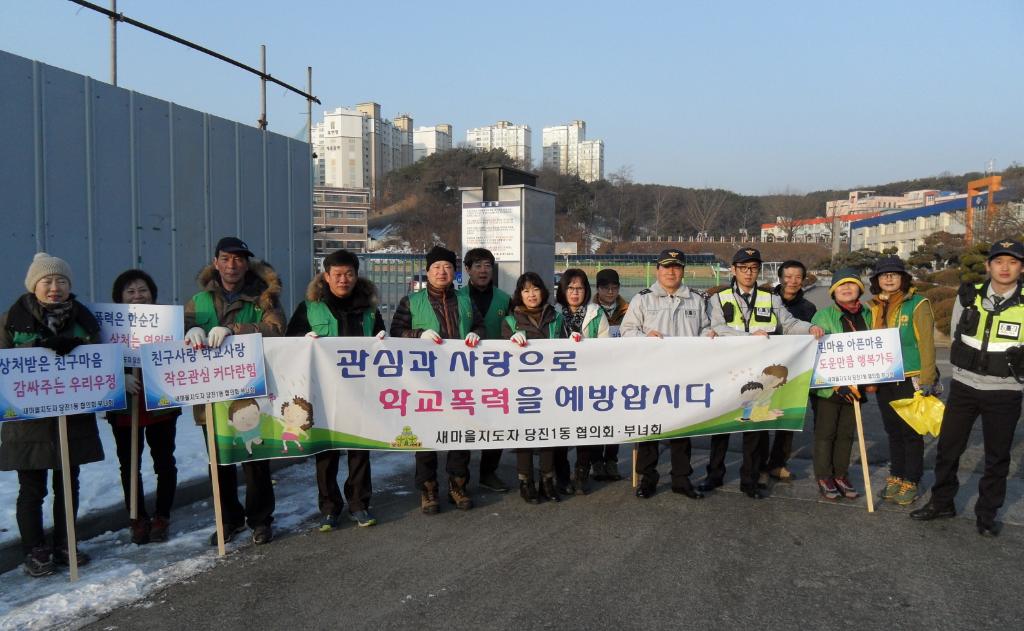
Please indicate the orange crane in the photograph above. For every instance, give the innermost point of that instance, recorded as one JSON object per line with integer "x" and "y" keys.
{"x": 989, "y": 185}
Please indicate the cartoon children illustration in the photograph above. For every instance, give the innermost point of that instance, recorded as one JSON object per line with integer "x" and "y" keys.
{"x": 749, "y": 395}
{"x": 297, "y": 417}
{"x": 244, "y": 417}
{"x": 772, "y": 378}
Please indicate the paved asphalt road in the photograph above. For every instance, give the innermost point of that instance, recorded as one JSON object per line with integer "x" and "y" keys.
{"x": 609, "y": 560}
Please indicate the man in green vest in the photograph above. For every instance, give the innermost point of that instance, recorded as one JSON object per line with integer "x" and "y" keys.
{"x": 988, "y": 372}
{"x": 438, "y": 313}
{"x": 491, "y": 304}
{"x": 238, "y": 296}
{"x": 340, "y": 304}
{"x": 743, "y": 309}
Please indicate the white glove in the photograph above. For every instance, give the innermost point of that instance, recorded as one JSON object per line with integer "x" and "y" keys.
{"x": 431, "y": 334}
{"x": 518, "y": 338}
{"x": 312, "y": 334}
{"x": 380, "y": 336}
{"x": 131, "y": 384}
{"x": 196, "y": 337}
{"x": 217, "y": 336}
{"x": 576, "y": 336}
{"x": 472, "y": 339}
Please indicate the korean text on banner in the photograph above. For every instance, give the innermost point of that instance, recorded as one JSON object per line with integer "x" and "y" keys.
{"x": 132, "y": 326}
{"x": 176, "y": 375}
{"x": 38, "y": 383}
{"x": 401, "y": 394}
{"x": 859, "y": 357}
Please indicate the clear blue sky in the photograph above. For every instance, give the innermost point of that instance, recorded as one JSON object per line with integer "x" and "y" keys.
{"x": 756, "y": 97}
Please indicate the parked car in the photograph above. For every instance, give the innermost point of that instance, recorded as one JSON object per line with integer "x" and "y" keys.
{"x": 417, "y": 282}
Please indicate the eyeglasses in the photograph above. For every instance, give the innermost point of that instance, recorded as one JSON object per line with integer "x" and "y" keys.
{"x": 891, "y": 276}
{"x": 574, "y": 289}
{"x": 748, "y": 269}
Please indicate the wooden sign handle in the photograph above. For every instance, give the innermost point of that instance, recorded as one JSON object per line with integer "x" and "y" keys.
{"x": 868, "y": 493}
{"x": 211, "y": 447}
{"x": 69, "y": 504}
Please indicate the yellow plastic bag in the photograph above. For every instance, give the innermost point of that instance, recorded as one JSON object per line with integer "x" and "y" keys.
{"x": 922, "y": 413}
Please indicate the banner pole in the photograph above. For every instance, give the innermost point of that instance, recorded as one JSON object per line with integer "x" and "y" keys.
{"x": 69, "y": 504}
{"x": 133, "y": 400}
{"x": 863, "y": 457}
{"x": 636, "y": 478}
{"x": 211, "y": 447}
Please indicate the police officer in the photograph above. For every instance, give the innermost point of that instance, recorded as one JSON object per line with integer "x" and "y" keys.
{"x": 491, "y": 304}
{"x": 239, "y": 295}
{"x": 666, "y": 309}
{"x": 435, "y": 314}
{"x": 340, "y": 304}
{"x": 988, "y": 369}
{"x": 743, "y": 309}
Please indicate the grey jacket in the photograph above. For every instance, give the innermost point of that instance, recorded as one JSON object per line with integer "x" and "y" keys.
{"x": 682, "y": 314}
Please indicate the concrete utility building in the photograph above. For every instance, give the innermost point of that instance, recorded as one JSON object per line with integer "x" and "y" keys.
{"x": 567, "y": 150}
{"x": 514, "y": 139}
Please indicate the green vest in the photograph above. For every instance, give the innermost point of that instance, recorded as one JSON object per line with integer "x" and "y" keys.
{"x": 495, "y": 312}
{"x": 554, "y": 327}
{"x": 981, "y": 346}
{"x": 830, "y": 319}
{"x": 762, "y": 318}
{"x": 206, "y": 312}
{"x": 908, "y": 335}
{"x": 21, "y": 338}
{"x": 423, "y": 316}
{"x": 323, "y": 323}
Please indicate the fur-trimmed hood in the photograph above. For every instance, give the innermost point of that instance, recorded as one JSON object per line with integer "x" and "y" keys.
{"x": 262, "y": 284}
{"x": 364, "y": 294}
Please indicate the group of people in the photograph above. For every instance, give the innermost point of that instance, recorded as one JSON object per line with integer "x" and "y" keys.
{"x": 240, "y": 294}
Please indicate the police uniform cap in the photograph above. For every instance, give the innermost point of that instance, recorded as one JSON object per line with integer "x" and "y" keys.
{"x": 671, "y": 257}
{"x": 1009, "y": 247}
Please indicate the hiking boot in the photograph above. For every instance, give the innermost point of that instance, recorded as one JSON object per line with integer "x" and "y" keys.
{"x": 782, "y": 474}
{"x": 599, "y": 471}
{"x": 140, "y": 531}
{"x": 762, "y": 480}
{"x": 528, "y": 491}
{"x": 828, "y": 489}
{"x": 646, "y": 489}
{"x": 845, "y": 488}
{"x": 457, "y": 493}
{"x": 159, "y": 530}
{"x": 429, "y": 505}
{"x": 38, "y": 563}
{"x": 580, "y": 480}
{"x": 363, "y": 518}
{"x": 549, "y": 490}
{"x": 566, "y": 487}
{"x": 230, "y": 532}
{"x": 892, "y": 487}
{"x": 328, "y": 523}
{"x": 262, "y": 534}
{"x": 611, "y": 468}
{"x": 907, "y": 493}
{"x": 492, "y": 482}
{"x": 62, "y": 556}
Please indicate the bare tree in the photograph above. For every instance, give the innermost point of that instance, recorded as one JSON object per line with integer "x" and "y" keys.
{"x": 788, "y": 209}
{"x": 664, "y": 206}
{"x": 702, "y": 208}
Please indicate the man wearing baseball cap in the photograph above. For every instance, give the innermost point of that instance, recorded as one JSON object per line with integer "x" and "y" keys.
{"x": 743, "y": 309}
{"x": 237, "y": 296}
{"x": 668, "y": 308}
{"x": 988, "y": 371}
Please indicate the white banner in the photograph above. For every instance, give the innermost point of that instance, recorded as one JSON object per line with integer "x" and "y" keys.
{"x": 862, "y": 357}
{"x": 38, "y": 383}
{"x": 176, "y": 375}
{"x": 134, "y": 325}
{"x": 334, "y": 393}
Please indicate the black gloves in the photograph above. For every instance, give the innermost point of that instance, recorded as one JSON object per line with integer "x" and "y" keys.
{"x": 59, "y": 344}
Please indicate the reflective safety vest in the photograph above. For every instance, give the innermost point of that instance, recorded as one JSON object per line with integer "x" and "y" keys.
{"x": 760, "y": 318}
{"x": 424, "y": 316}
{"x": 206, "y": 312}
{"x": 982, "y": 337}
{"x": 323, "y": 323}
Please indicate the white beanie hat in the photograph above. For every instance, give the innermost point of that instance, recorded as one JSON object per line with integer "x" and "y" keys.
{"x": 44, "y": 265}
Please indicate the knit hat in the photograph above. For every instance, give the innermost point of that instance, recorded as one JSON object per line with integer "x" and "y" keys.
{"x": 845, "y": 275}
{"x": 607, "y": 277}
{"x": 437, "y": 253}
{"x": 44, "y": 265}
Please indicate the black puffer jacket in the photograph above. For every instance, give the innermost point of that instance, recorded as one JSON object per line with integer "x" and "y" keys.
{"x": 34, "y": 444}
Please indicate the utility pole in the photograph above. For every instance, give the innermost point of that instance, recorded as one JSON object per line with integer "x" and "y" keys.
{"x": 262, "y": 122}
{"x": 113, "y": 43}
{"x": 309, "y": 107}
